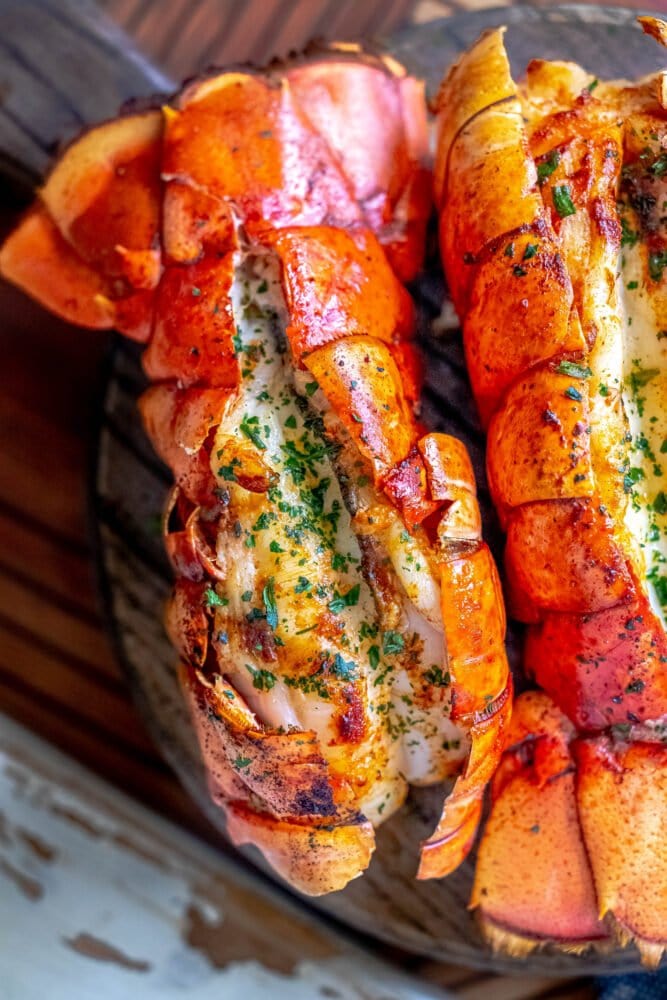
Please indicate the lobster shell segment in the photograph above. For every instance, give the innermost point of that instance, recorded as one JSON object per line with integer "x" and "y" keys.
{"x": 574, "y": 850}
{"x": 622, "y": 803}
{"x": 316, "y": 844}
{"x": 533, "y": 882}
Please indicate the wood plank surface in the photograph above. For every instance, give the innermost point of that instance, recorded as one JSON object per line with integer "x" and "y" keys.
{"x": 185, "y": 36}
{"x": 58, "y": 674}
{"x": 101, "y": 898}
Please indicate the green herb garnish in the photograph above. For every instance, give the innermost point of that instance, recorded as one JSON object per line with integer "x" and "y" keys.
{"x": 660, "y": 503}
{"x": 656, "y": 264}
{"x": 573, "y": 369}
{"x": 269, "y": 598}
{"x": 547, "y": 166}
{"x": 563, "y": 200}
{"x": 342, "y": 601}
{"x": 346, "y": 670}
{"x": 249, "y": 426}
{"x": 212, "y": 600}
{"x": 437, "y": 676}
{"x": 392, "y": 642}
{"x": 262, "y": 679}
{"x": 628, "y": 236}
{"x": 659, "y": 166}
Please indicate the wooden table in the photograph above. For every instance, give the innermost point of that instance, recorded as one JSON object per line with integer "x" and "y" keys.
{"x": 58, "y": 676}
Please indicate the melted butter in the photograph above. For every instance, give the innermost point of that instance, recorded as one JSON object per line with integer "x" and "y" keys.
{"x": 645, "y": 401}
{"x": 300, "y": 535}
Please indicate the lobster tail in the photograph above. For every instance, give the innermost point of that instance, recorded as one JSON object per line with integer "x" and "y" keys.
{"x": 557, "y": 273}
{"x": 256, "y": 234}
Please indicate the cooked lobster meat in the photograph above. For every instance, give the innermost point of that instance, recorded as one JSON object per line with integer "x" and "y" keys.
{"x": 338, "y": 619}
{"x": 552, "y": 201}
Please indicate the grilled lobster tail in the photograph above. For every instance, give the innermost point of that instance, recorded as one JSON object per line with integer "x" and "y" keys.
{"x": 551, "y": 201}
{"x": 338, "y": 618}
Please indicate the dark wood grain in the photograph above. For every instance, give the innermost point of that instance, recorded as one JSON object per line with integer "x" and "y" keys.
{"x": 186, "y": 36}
{"x": 62, "y": 66}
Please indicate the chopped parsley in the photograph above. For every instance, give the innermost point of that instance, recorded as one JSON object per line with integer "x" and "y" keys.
{"x": 656, "y": 264}
{"x": 660, "y": 503}
{"x": 226, "y": 472}
{"x": 392, "y": 642}
{"x": 659, "y": 586}
{"x": 269, "y": 598}
{"x": 346, "y": 670}
{"x": 628, "y": 236}
{"x": 642, "y": 377}
{"x": 631, "y": 478}
{"x": 563, "y": 200}
{"x": 262, "y": 679}
{"x": 573, "y": 370}
{"x": 342, "y": 601}
{"x": 249, "y": 427}
{"x": 212, "y": 600}
{"x": 437, "y": 676}
{"x": 659, "y": 166}
{"x": 547, "y": 166}
{"x": 299, "y": 461}
{"x": 310, "y": 684}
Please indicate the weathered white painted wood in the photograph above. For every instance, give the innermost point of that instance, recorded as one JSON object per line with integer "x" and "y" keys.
{"x": 102, "y": 900}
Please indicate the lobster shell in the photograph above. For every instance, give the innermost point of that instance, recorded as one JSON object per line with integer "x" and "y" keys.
{"x": 534, "y": 246}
